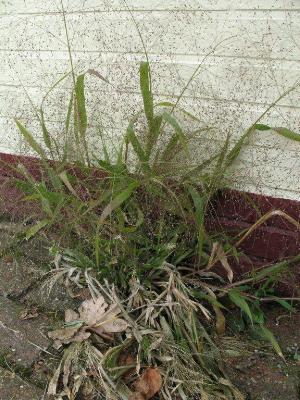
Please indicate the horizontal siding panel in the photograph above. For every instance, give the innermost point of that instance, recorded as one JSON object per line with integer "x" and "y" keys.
{"x": 267, "y": 191}
{"x": 254, "y": 81}
{"x": 114, "y": 109}
{"x": 46, "y": 6}
{"x": 254, "y": 175}
{"x": 243, "y": 34}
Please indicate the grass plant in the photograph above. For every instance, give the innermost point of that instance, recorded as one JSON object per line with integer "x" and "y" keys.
{"x": 129, "y": 224}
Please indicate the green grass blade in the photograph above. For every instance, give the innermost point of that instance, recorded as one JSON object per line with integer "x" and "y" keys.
{"x": 197, "y": 170}
{"x": 30, "y": 140}
{"x": 137, "y": 147}
{"x": 220, "y": 168}
{"x": 67, "y": 128}
{"x": 199, "y": 204}
{"x": 178, "y": 139}
{"x": 69, "y": 112}
{"x": 80, "y": 102}
{"x": 118, "y": 200}
{"x": 33, "y": 230}
{"x": 281, "y": 131}
{"x": 39, "y": 150}
{"x": 262, "y": 127}
{"x": 235, "y": 151}
{"x": 266, "y": 334}
{"x": 274, "y": 270}
{"x": 285, "y": 304}
{"x": 80, "y": 119}
{"x": 46, "y": 134}
{"x": 64, "y": 177}
{"x": 54, "y": 86}
{"x": 154, "y": 135}
{"x": 145, "y": 85}
{"x": 104, "y": 147}
{"x": 172, "y": 105}
{"x": 239, "y": 300}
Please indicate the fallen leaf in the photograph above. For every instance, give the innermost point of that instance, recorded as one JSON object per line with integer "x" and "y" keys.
{"x": 8, "y": 258}
{"x": 91, "y": 310}
{"x": 84, "y": 294}
{"x": 68, "y": 335}
{"x": 81, "y": 335}
{"x": 147, "y": 385}
{"x": 100, "y": 321}
{"x": 109, "y": 323}
{"x": 63, "y": 333}
{"x": 91, "y": 317}
{"x": 29, "y": 314}
{"x": 136, "y": 396}
{"x": 71, "y": 315}
{"x": 126, "y": 360}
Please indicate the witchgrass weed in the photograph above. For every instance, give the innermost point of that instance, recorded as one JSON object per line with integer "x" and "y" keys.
{"x": 129, "y": 225}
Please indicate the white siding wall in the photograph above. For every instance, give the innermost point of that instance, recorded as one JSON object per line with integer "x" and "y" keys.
{"x": 249, "y": 50}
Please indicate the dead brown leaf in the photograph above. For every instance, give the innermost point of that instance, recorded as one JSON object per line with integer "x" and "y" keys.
{"x": 8, "y": 258}
{"x": 147, "y": 385}
{"x": 223, "y": 259}
{"x": 127, "y": 360}
{"x": 68, "y": 334}
{"x": 100, "y": 321}
{"x": 71, "y": 315}
{"x": 98, "y": 75}
{"x": 91, "y": 317}
{"x": 136, "y": 396}
{"x": 91, "y": 310}
{"x": 218, "y": 254}
{"x": 29, "y": 314}
{"x": 220, "y": 320}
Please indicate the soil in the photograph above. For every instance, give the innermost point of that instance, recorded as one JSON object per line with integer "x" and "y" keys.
{"x": 261, "y": 374}
{"x": 27, "y": 313}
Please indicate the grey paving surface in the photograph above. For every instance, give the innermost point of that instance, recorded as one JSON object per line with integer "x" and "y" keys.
{"x": 12, "y": 387}
{"x": 21, "y": 341}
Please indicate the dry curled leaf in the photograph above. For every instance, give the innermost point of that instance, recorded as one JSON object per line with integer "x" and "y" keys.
{"x": 223, "y": 259}
{"x": 91, "y": 310}
{"x": 63, "y": 333}
{"x": 147, "y": 385}
{"x": 218, "y": 254}
{"x": 136, "y": 396}
{"x": 29, "y": 314}
{"x": 92, "y": 316}
{"x": 100, "y": 321}
{"x": 68, "y": 335}
{"x": 109, "y": 323}
{"x": 98, "y": 75}
{"x": 71, "y": 315}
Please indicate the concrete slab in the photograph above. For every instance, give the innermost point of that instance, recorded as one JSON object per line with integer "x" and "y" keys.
{"x": 21, "y": 341}
{"x": 12, "y": 387}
